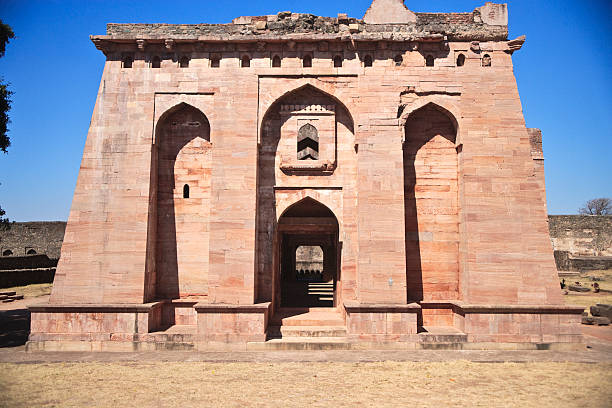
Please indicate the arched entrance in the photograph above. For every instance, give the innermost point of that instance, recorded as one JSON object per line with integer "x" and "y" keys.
{"x": 308, "y": 270}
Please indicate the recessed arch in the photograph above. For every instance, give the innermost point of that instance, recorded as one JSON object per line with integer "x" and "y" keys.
{"x": 460, "y": 60}
{"x": 185, "y": 107}
{"x": 308, "y": 87}
{"x": 446, "y": 107}
{"x": 431, "y": 189}
{"x": 308, "y": 207}
{"x": 182, "y": 158}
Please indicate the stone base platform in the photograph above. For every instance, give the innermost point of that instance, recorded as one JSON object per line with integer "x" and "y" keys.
{"x": 426, "y": 325}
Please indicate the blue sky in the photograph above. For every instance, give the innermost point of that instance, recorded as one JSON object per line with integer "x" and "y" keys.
{"x": 563, "y": 72}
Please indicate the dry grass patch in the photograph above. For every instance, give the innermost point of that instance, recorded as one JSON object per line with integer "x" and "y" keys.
{"x": 387, "y": 384}
{"x": 589, "y": 299}
{"x": 31, "y": 291}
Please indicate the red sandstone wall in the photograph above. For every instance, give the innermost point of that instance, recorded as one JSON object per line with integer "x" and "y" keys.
{"x": 504, "y": 251}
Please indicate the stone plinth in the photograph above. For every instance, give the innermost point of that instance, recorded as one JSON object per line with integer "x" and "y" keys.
{"x": 381, "y": 322}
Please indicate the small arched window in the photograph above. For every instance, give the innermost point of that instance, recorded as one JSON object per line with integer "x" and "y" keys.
{"x": 276, "y": 62}
{"x": 307, "y": 61}
{"x": 7, "y": 252}
{"x": 398, "y": 60}
{"x": 31, "y": 252}
{"x": 186, "y": 191}
{"x": 367, "y": 61}
{"x": 460, "y": 60}
{"x": 486, "y": 60}
{"x": 184, "y": 62}
{"x": 156, "y": 62}
{"x": 215, "y": 61}
{"x": 308, "y": 143}
{"x": 429, "y": 61}
{"x": 245, "y": 62}
{"x": 127, "y": 61}
{"x": 337, "y": 61}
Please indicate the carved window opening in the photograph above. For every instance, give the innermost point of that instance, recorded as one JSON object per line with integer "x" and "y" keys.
{"x": 460, "y": 60}
{"x": 429, "y": 61}
{"x": 7, "y": 252}
{"x": 31, "y": 252}
{"x": 127, "y": 61}
{"x": 245, "y": 62}
{"x": 337, "y": 61}
{"x": 184, "y": 62}
{"x": 486, "y": 60}
{"x": 308, "y": 143}
{"x": 186, "y": 191}
{"x": 398, "y": 60}
{"x": 276, "y": 62}
{"x": 156, "y": 62}
{"x": 307, "y": 61}
{"x": 215, "y": 61}
{"x": 367, "y": 61}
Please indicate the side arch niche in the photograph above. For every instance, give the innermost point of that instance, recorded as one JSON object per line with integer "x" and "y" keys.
{"x": 183, "y": 163}
{"x": 307, "y": 138}
{"x": 431, "y": 205}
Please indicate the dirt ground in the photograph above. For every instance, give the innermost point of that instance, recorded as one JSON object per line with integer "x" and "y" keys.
{"x": 587, "y": 279}
{"x": 426, "y": 378}
{"x": 333, "y": 384}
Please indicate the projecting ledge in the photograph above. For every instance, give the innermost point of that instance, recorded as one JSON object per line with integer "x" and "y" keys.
{"x": 352, "y": 306}
{"x": 230, "y": 308}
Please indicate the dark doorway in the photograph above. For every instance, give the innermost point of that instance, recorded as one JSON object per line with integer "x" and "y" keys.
{"x": 308, "y": 254}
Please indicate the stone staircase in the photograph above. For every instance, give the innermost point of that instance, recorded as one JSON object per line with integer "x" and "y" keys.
{"x": 305, "y": 329}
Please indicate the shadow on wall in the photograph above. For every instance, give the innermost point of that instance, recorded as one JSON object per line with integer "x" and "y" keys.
{"x": 430, "y": 205}
{"x": 176, "y": 131}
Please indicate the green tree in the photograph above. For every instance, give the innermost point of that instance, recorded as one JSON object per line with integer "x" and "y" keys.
{"x": 6, "y": 34}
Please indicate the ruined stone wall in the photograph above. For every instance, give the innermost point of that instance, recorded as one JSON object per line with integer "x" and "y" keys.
{"x": 581, "y": 242}
{"x": 43, "y": 237}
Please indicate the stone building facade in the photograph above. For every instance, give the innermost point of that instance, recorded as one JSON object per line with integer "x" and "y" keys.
{"x": 395, "y": 143}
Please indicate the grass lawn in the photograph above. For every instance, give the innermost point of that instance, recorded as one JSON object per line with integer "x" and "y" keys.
{"x": 386, "y": 384}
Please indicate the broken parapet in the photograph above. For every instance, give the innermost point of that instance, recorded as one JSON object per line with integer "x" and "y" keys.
{"x": 385, "y": 20}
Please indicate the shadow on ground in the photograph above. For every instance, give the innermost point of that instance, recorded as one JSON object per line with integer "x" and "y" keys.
{"x": 14, "y": 327}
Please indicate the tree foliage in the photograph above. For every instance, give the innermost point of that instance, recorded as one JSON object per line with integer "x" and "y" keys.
{"x": 6, "y": 34}
{"x": 597, "y": 206}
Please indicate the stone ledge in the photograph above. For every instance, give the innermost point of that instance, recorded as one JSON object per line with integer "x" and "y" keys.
{"x": 505, "y": 308}
{"x": 381, "y": 307}
{"x": 228, "y": 308}
{"x": 95, "y": 308}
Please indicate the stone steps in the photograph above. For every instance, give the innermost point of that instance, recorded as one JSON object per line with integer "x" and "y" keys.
{"x": 308, "y": 317}
{"x": 306, "y": 331}
{"x": 301, "y": 343}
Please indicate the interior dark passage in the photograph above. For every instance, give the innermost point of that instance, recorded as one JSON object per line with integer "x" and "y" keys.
{"x": 308, "y": 247}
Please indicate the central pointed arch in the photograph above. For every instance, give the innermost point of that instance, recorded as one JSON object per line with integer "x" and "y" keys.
{"x": 310, "y": 224}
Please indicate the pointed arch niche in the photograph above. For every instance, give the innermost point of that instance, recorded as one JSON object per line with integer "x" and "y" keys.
{"x": 292, "y": 164}
{"x": 183, "y": 157}
{"x": 431, "y": 204}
